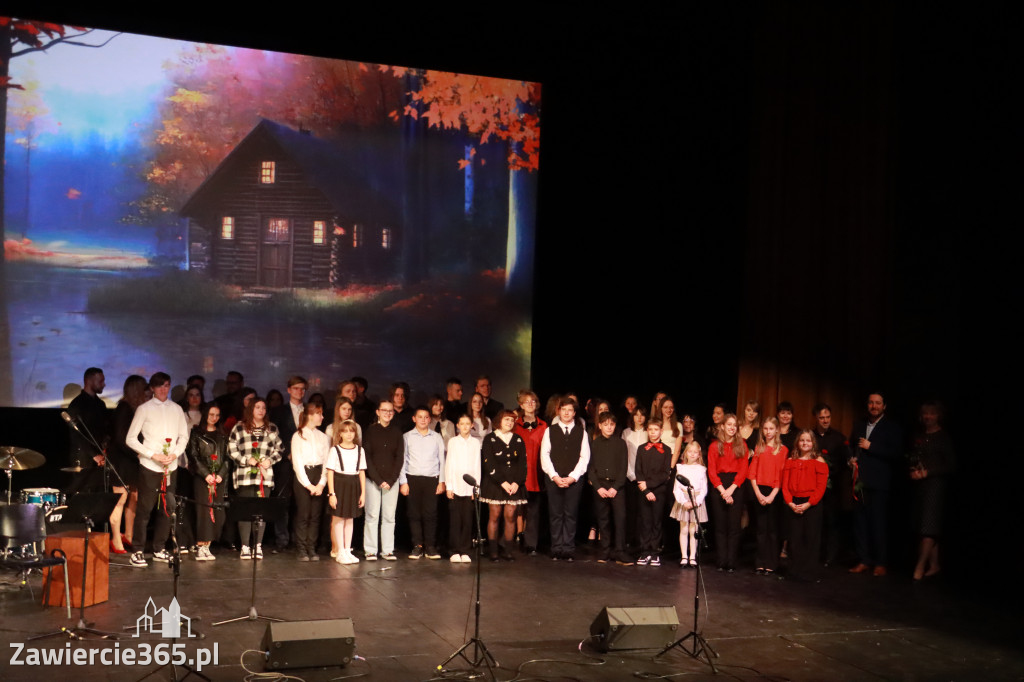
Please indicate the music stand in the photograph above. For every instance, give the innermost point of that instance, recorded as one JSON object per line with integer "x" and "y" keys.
{"x": 701, "y": 649}
{"x": 258, "y": 510}
{"x": 88, "y": 507}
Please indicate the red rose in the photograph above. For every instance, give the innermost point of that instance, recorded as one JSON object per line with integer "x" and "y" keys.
{"x": 167, "y": 439}
{"x": 213, "y": 458}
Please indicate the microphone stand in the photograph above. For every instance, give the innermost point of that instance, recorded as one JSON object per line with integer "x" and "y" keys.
{"x": 702, "y": 651}
{"x": 175, "y": 564}
{"x": 89, "y": 438}
{"x": 481, "y": 656}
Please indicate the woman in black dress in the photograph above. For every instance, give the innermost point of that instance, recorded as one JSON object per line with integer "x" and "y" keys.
{"x": 126, "y": 463}
{"x": 934, "y": 462}
{"x": 504, "y": 481}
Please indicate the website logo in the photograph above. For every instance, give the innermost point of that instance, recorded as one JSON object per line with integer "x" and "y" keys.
{"x": 169, "y": 623}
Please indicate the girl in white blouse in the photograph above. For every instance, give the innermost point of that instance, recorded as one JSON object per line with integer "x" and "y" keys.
{"x": 347, "y": 485}
{"x": 309, "y": 451}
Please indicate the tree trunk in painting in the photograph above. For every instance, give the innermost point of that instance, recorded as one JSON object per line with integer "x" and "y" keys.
{"x": 414, "y": 221}
{"x": 522, "y": 213}
{"x": 5, "y": 60}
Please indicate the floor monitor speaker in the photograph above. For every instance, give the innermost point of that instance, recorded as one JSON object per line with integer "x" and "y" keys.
{"x": 309, "y": 643}
{"x": 634, "y": 627}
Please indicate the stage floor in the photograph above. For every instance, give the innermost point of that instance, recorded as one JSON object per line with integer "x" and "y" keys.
{"x": 410, "y": 615}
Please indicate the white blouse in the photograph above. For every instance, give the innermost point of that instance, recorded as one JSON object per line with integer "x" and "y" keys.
{"x": 309, "y": 448}
{"x": 346, "y": 461}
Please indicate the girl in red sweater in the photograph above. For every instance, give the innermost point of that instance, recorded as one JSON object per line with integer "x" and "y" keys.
{"x": 765, "y": 475}
{"x": 727, "y": 470}
{"x": 803, "y": 484}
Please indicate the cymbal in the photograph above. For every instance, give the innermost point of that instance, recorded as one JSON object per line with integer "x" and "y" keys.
{"x": 19, "y": 459}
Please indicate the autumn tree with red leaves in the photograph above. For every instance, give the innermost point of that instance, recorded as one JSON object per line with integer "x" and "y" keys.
{"x": 489, "y": 109}
{"x": 219, "y": 94}
{"x": 19, "y": 37}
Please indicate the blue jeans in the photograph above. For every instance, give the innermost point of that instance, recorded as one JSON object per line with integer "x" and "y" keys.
{"x": 380, "y": 508}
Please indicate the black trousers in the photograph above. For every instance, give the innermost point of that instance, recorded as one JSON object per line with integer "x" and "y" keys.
{"x": 309, "y": 509}
{"x": 536, "y": 502}
{"x": 727, "y": 525}
{"x": 460, "y": 524}
{"x": 245, "y": 527}
{"x": 150, "y": 497}
{"x": 283, "y": 476}
{"x": 870, "y": 515}
{"x": 422, "y": 510}
{"x": 766, "y": 519}
{"x": 611, "y": 521}
{"x": 805, "y": 541}
{"x": 652, "y": 516}
{"x": 563, "y": 512}
{"x": 186, "y": 530}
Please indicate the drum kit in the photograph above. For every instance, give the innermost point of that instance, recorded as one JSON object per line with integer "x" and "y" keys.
{"x": 52, "y": 500}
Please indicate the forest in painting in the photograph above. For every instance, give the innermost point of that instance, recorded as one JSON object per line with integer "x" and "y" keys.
{"x": 197, "y": 208}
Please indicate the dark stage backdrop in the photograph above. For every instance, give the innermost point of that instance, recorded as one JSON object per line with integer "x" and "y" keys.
{"x": 767, "y": 201}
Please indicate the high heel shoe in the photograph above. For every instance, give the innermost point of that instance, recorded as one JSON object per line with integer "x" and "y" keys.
{"x": 126, "y": 543}
{"x": 115, "y": 550}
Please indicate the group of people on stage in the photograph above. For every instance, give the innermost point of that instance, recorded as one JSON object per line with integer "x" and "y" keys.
{"x": 623, "y": 470}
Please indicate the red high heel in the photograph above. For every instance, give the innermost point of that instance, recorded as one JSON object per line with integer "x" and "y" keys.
{"x": 115, "y": 550}
{"x": 126, "y": 543}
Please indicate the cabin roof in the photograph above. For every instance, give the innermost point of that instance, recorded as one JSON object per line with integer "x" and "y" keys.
{"x": 324, "y": 164}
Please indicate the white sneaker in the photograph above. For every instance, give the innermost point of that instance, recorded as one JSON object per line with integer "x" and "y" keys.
{"x": 371, "y": 557}
{"x": 259, "y": 551}
{"x": 389, "y": 557}
{"x": 352, "y": 558}
{"x": 455, "y": 559}
{"x": 246, "y": 554}
{"x": 162, "y": 555}
{"x": 138, "y": 560}
{"x": 466, "y": 559}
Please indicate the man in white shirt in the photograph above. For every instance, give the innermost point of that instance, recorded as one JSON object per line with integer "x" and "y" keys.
{"x": 564, "y": 456}
{"x": 159, "y": 434}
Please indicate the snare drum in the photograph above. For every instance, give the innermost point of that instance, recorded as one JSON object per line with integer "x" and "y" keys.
{"x": 44, "y": 497}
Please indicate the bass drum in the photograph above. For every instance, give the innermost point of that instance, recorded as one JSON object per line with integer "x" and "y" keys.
{"x": 55, "y": 519}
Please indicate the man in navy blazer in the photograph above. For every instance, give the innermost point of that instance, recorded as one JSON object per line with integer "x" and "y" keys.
{"x": 876, "y": 445}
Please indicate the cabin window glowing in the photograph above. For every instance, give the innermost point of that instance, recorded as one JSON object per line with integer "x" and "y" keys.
{"x": 268, "y": 171}
{"x": 385, "y": 238}
{"x": 277, "y": 230}
{"x": 227, "y": 227}
{"x": 357, "y": 236}
{"x": 319, "y": 231}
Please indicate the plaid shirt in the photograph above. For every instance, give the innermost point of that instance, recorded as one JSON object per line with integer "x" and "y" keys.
{"x": 240, "y": 448}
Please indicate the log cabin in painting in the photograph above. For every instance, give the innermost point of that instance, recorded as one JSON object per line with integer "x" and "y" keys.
{"x": 287, "y": 209}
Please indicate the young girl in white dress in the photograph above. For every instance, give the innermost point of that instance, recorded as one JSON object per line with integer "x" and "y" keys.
{"x": 347, "y": 485}
{"x": 693, "y": 468}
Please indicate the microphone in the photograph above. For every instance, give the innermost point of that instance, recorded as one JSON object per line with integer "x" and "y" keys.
{"x": 469, "y": 479}
{"x": 684, "y": 480}
{"x": 67, "y": 417}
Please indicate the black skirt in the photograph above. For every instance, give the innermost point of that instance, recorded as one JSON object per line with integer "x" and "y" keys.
{"x": 347, "y": 489}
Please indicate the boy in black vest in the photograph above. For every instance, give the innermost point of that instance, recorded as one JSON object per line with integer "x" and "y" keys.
{"x": 564, "y": 456}
{"x": 607, "y": 473}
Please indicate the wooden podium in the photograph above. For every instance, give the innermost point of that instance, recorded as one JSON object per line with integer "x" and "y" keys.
{"x": 97, "y": 579}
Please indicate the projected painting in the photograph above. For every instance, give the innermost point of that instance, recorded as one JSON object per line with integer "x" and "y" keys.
{"x": 197, "y": 208}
